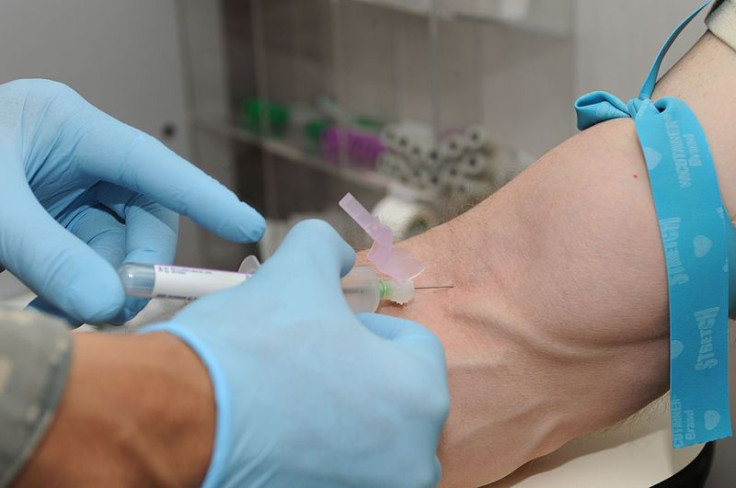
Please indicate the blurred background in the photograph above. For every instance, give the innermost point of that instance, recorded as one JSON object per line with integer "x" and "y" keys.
{"x": 420, "y": 108}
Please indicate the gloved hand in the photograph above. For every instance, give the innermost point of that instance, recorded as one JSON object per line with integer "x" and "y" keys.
{"x": 81, "y": 193}
{"x": 309, "y": 395}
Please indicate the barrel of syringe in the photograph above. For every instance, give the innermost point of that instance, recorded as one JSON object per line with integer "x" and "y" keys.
{"x": 362, "y": 289}
{"x": 361, "y": 286}
{"x": 160, "y": 281}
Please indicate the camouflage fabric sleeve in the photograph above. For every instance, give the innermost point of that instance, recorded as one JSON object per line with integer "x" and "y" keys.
{"x": 35, "y": 352}
{"x": 721, "y": 21}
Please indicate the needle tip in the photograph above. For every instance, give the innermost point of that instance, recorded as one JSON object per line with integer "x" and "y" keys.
{"x": 433, "y": 287}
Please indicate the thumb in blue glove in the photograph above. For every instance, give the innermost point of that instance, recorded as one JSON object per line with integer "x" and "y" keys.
{"x": 307, "y": 393}
{"x": 81, "y": 193}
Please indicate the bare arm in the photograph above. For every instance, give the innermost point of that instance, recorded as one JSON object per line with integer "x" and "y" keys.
{"x": 137, "y": 412}
{"x": 558, "y": 324}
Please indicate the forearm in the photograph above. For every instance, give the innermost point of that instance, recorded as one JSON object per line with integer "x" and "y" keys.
{"x": 137, "y": 411}
{"x": 558, "y": 323}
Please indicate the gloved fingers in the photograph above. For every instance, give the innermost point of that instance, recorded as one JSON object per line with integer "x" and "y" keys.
{"x": 312, "y": 258}
{"x": 102, "y": 232}
{"x": 407, "y": 334}
{"x": 107, "y": 236}
{"x": 151, "y": 232}
{"x": 302, "y": 277}
{"x": 54, "y": 263}
{"x": 111, "y": 239}
{"x": 150, "y": 229}
{"x": 117, "y": 153}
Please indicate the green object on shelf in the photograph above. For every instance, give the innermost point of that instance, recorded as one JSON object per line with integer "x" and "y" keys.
{"x": 314, "y": 129}
{"x": 261, "y": 115}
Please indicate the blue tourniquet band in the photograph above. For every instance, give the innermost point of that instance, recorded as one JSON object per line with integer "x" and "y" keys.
{"x": 697, "y": 237}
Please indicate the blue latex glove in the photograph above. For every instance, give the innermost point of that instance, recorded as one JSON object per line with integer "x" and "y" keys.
{"x": 309, "y": 395}
{"x": 81, "y": 193}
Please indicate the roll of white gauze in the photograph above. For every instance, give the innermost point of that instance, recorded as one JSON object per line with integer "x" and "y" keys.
{"x": 403, "y": 144}
{"x": 426, "y": 180}
{"x": 434, "y": 182}
{"x": 417, "y": 177}
{"x": 475, "y": 164}
{"x": 478, "y": 138}
{"x": 453, "y": 146}
{"x": 433, "y": 157}
{"x": 403, "y": 171}
{"x": 419, "y": 150}
{"x": 389, "y": 137}
{"x": 405, "y": 218}
{"x": 449, "y": 176}
{"x": 395, "y": 167}
{"x": 416, "y": 129}
{"x": 405, "y": 138}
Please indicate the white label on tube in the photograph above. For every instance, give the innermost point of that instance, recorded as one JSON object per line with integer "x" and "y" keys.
{"x": 191, "y": 283}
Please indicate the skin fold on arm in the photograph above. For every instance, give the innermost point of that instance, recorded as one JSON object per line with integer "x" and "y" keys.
{"x": 558, "y": 322}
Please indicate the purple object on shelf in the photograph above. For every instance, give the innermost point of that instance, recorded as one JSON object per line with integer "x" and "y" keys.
{"x": 363, "y": 148}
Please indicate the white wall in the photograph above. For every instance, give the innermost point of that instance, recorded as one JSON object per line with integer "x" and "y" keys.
{"x": 618, "y": 40}
{"x": 123, "y": 56}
